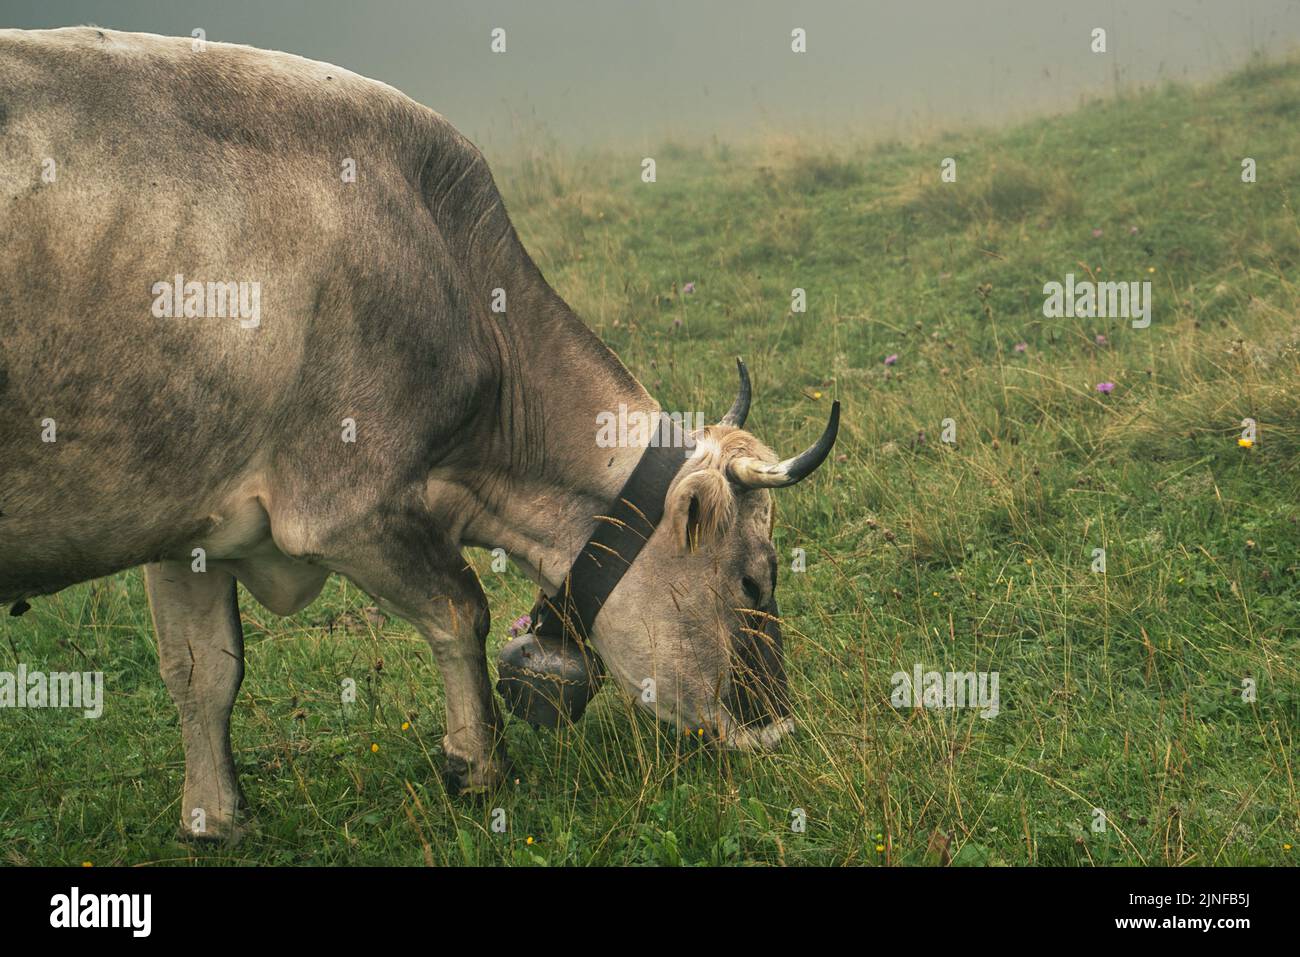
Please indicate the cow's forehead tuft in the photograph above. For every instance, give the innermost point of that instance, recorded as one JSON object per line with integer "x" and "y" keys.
{"x": 718, "y": 443}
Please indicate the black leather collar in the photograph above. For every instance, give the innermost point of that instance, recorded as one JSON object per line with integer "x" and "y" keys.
{"x": 620, "y": 535}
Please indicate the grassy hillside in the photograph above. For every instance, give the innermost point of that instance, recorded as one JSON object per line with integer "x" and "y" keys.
{"x": 1121, "y": 691}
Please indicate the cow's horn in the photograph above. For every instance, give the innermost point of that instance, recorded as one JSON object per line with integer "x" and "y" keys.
{"x": 740, "y": 408}
{"x": 749, "y": 472}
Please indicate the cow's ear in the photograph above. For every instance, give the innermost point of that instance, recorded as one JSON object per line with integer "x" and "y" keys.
{"x": 701, "y": 509}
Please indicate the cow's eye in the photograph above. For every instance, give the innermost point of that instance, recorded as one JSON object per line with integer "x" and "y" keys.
{"x": 752, "y": 591}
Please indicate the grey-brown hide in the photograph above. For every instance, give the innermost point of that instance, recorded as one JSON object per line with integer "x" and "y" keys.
{"x": 224, "y": 164}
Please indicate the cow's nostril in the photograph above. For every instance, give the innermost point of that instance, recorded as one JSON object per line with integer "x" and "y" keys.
{"x": 753, "y": 592}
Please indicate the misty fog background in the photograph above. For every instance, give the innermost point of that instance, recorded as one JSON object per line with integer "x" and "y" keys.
{"x": 589, "y": 73}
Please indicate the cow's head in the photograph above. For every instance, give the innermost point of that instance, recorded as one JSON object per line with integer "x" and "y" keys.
{"x": 691, "y": 629}
{"x": 696, "y": 613}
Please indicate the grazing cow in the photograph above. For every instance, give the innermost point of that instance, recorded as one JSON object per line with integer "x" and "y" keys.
{"x": 247, "y": 307}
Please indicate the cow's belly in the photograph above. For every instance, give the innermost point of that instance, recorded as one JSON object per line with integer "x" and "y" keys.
{"x": 237, "y": 538}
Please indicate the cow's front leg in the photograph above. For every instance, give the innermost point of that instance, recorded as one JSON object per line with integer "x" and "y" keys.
{"x": 417, "y": 575}
{"x": 475, "y": 753}
{"x": 201, "y": 654}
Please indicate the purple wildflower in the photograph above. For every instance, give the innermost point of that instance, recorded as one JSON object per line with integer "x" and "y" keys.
{"x": 521, "y": 625}
{"x": 688, "y": 288}
{"x": 891, "y": 359}
{"x": 1106, "y": 388}
{"x": 1099, "y": 339}
{"x": 1021, "y": 346}
{"x": 1096, "y": 233}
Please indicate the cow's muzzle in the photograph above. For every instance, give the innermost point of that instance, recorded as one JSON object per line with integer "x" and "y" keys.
{"x": 758, "y": 696}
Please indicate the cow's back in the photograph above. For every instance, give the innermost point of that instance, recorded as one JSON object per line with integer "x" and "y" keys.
{"x": 127, "y": 159}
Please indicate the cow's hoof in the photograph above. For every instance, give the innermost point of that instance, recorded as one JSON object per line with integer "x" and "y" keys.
{"x": 223, "y": 833}
{"x": 463, "y": 778}
{"x": 546, "y": 682}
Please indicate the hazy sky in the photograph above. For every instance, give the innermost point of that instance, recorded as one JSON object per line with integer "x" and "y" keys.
{"x": 614, "y": 71}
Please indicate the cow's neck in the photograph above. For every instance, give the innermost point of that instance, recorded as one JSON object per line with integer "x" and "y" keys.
{"x": 538, "y": 500}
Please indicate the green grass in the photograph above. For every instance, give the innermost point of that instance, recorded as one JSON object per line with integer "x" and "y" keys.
{"x": 1120, "y": 691}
